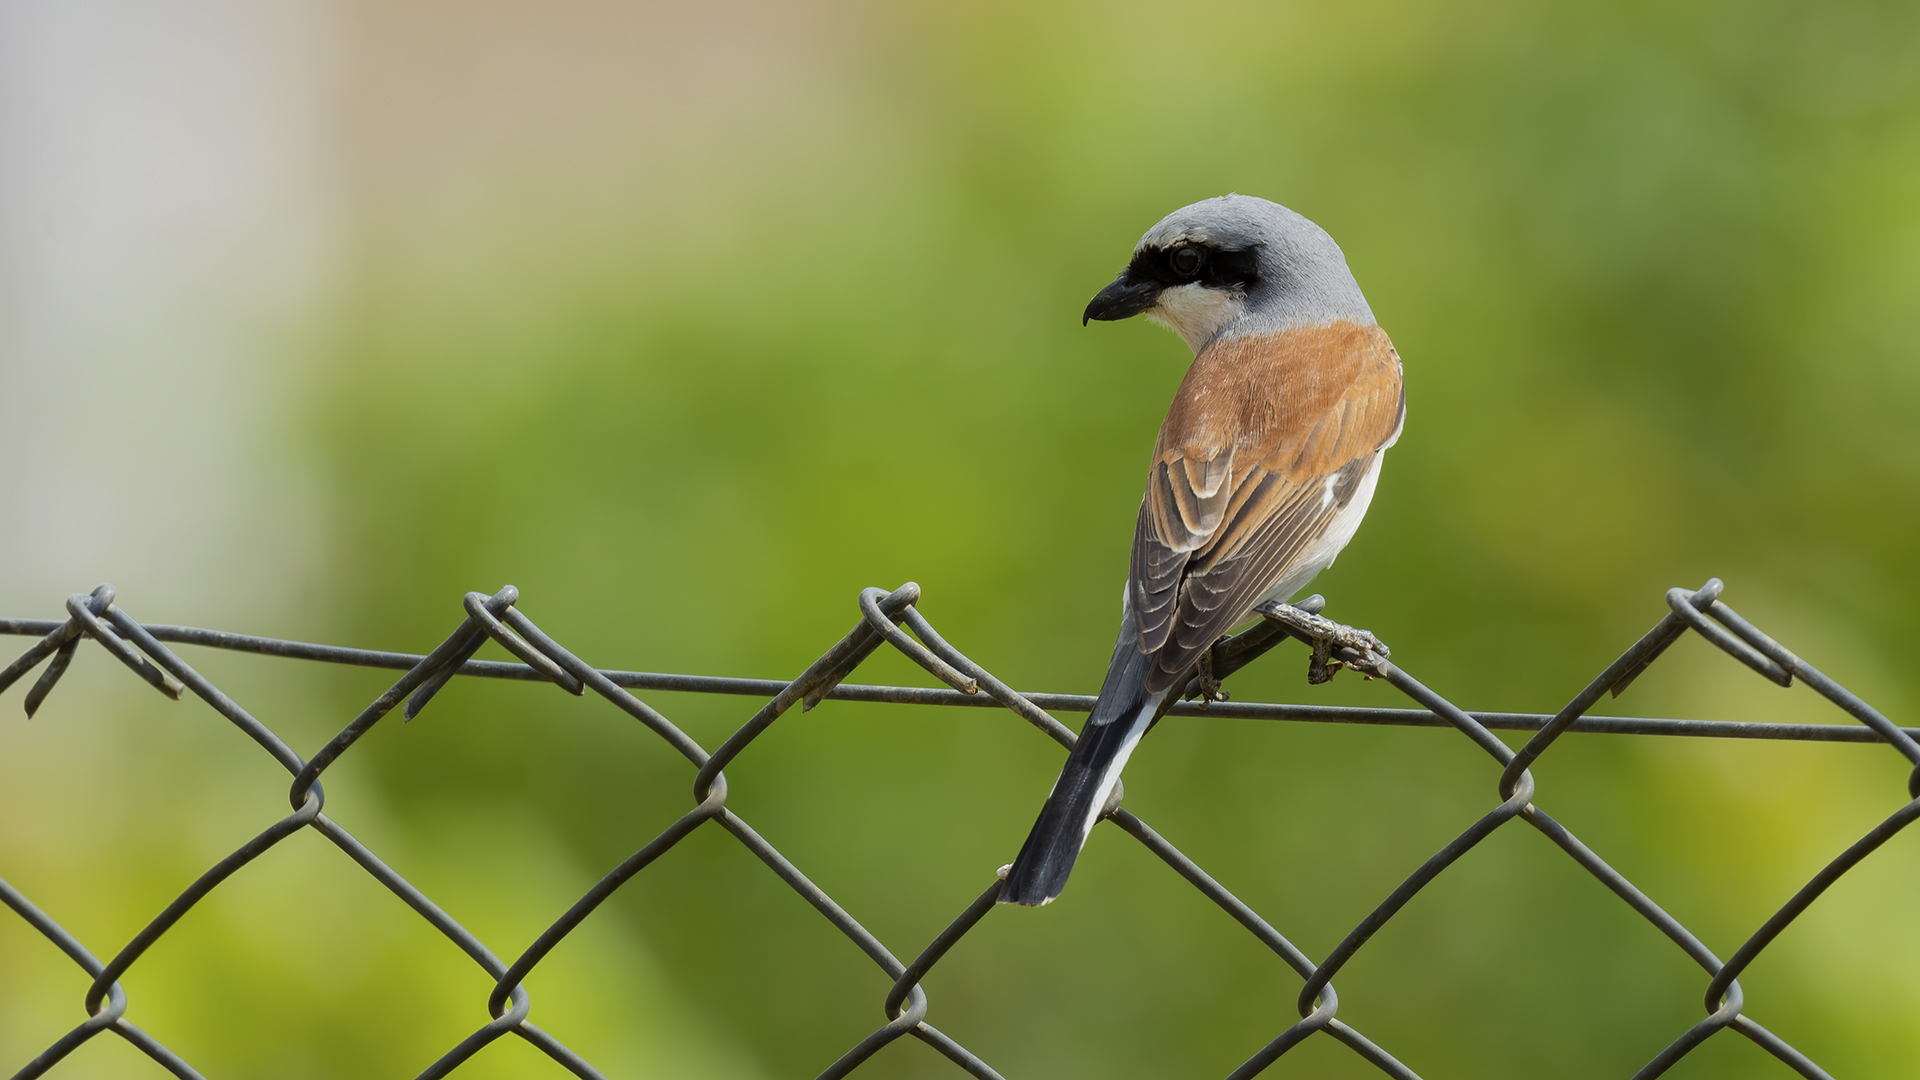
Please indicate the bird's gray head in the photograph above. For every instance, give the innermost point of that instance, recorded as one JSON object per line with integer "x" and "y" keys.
{"x": 1232, "y": 265}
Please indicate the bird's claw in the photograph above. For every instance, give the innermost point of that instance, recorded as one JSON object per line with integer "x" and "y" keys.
{"x": 1335, "y": 645}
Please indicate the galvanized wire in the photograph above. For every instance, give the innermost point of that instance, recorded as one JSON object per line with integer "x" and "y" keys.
{"x": 891, "y": 619}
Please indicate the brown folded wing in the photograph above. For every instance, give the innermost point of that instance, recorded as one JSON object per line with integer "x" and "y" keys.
{"x": 1268, "y": 438}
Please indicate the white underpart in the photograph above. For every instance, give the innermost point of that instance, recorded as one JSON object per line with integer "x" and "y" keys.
{"x": 1323, "y": 549}
{"x": 1196, "y": 312}
{"x": 1319, "y": 554}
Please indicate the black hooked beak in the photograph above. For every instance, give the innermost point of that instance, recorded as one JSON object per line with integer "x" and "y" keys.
{"x": 1126, "y": 297}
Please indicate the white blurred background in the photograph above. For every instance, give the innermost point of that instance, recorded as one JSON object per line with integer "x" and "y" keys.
{"x": 170, "y": 209}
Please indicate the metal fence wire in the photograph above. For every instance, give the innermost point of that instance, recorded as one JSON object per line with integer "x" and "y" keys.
{"x": 890, "y": 618}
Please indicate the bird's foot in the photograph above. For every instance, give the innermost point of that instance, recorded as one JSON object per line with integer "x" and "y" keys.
{"x": 1205, "y": 685}
{"x": 1335, "y": 645}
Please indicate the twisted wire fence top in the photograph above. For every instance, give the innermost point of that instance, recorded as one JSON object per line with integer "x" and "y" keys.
{"x": 892, "y": 619}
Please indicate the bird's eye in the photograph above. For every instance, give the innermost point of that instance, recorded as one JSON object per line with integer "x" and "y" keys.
{"x": 1186, "y": 261}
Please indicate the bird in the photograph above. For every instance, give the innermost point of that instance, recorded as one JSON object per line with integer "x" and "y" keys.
{"x": 1266, "y": 462}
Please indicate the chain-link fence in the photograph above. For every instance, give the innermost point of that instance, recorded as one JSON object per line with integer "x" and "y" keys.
{"x": 887, "y": 618}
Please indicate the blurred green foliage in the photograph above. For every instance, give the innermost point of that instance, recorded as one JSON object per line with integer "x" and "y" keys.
{"x": 1652, "y": 271}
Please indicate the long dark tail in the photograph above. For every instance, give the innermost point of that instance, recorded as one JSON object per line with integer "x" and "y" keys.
{"x": 1120, "y": 718}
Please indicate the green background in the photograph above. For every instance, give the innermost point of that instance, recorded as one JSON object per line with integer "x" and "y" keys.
{"x": 1652, "y": 271}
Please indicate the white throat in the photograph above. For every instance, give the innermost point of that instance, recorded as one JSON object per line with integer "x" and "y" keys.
{"x": 1197, "y": 313}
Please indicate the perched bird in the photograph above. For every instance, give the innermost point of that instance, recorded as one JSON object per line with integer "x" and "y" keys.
{"x": 1260, "y": 475}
